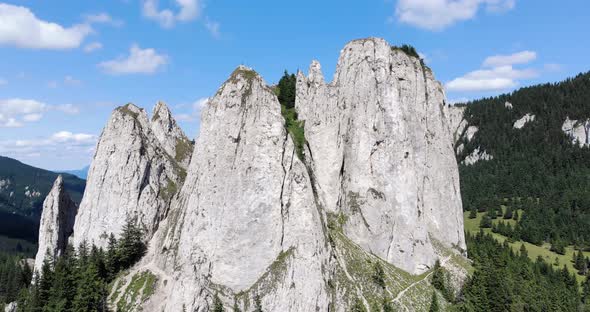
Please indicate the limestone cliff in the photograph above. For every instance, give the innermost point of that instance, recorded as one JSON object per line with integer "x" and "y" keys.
{"x": 169, "y": 134}
{"x": 381, "y": 153}
{"x": 374, "y": 188}
{"x": 57, "y": 223}
{"x": 132, "y": 176}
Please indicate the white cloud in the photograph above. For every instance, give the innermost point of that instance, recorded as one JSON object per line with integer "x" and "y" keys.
{"x": 102, "y": 18}
{"x": 21, "y": 28}
{"x": 139, "y": 61}
{"x": 93, "y": 46}
{"x": 14, "y": 112}
{"x": 522, "y": 57}
{"x": 188, "y": 11}
{"x": 67, "y": 108}
{"x": 195, "y": 113}
{"x": 212, "y": 27}
{"x": 17, "y": 112}
{"x": 501, "y": 76}
{"x": 71, "y": 81}
{"x": 439, "y": 14}
{"x": 66, "y": 142}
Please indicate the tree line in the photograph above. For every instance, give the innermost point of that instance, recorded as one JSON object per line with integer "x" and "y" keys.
{"x": 77, "y": 280}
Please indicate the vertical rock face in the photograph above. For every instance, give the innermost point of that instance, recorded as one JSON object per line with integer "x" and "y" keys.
{"x": 173, "y": 140}
{"x": 457, "y": 122}
{"x": 376, "y": 187}
{"x": 57, "y": 223}
{"x": 579, "y": 131}
{"x": 382, "y": 154}
{"x": 132, "y": 176}
{"x": 247, "y": 220}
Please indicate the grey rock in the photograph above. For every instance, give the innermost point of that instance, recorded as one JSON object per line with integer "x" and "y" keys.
{"x": 11, "y": 307}
{"x": 172, "y": 138}
{"x": 577, "y": 130}
{"x": 56, "y": 225}
{"x": 382, "y": 153}
{"x": 132, "y": 176}
{"x": 523, "y": 121}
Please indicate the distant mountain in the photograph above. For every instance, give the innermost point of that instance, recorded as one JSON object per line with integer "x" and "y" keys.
{"x": 22, "y": 191}
{"x": 80, "y": 173}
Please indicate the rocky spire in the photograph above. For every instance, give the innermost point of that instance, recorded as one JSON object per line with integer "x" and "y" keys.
{"x": 170, "y": 135}
{"x": 132, "y": 177}
{"x": 57, "y": 223}
{"x": 383, "y": 154}
{"x": 375, "y": 190}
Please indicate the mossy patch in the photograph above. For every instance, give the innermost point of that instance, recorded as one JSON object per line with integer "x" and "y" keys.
{"x": 184, "y": 148}
{"x": 273, "y": 275}
{"x": 141, "y": 287}
{"x": 125, "y": 110}
{"x": 296, "y": 129}
{"x": 170, "y": 189}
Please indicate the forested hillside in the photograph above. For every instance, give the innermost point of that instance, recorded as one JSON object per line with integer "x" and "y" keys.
{"x": 22, "y": 191}
{"x": 537, "y": 168}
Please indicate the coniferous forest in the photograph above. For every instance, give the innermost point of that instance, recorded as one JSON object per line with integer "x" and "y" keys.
{"x": 538, "y": 180}
{"x": 77, "y": 281}
{"x": 537, "y": 169}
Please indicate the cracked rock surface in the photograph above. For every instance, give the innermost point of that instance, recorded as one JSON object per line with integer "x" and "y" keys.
{"x": 132, "y": 176}
{"x": 376, "y": 183}
{"x": 382, "y": 153}
{"x": 56, "y": 225}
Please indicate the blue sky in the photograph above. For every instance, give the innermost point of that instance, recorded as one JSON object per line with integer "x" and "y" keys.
{"x": 67, "y": 64}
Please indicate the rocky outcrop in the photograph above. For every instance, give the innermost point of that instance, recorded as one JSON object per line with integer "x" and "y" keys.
{"x": 523, "y": 121}
{"x": 381, "y": 153}
{"x": 457, "y": 123}
{"x": 57, "y": 224}
{"x": 508, "y": 105}
{"x": 578, "y": 131}
{"x": 132, "y": 176}
{"x": 11, "y": 307}
{"x": 374, "y": 188}
{"x": 246, "y": 222}
{"x": 172, "y": 138}
{"x": 470, "y": 132}
{"x": 476, "y": 156}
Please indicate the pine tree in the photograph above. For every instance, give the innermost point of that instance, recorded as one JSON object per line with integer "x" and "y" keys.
{"x": 473, "y": 213}
{"x": 434, "y": 303}
{"x": 131, "y": 246}
{"x": 438, "y": 277}
{"x": 111, "y": 258}
{"x": 379, "y": 275}
{"x": 45, "y": 282}
{"x": 387, "y": 306}
{"x": 91, "y": 292}
{"x": 257, "y": 304}
{"x": 217, "y": 304}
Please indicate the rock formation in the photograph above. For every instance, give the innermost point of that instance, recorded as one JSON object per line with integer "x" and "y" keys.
{"x": 374, "y": 188}
{"x": 457, "y": 122}
{"x": 523, "y": 121}
{"x": 381, "y": 153}
{"x": 169, "y": 134}
{"x": 133, "y": 176}
{"x": 476, "y": 156}
{"x": 578, "y": 131}
{"x": 57, "y": 223}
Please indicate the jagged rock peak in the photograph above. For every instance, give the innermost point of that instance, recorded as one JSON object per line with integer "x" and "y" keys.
{"x": 171, "y": 135}
{"x": 57, "y": 223}
{"x": 132, "y": 176}
{"x": 383, "y": 153}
